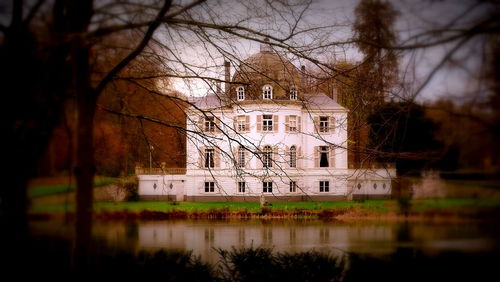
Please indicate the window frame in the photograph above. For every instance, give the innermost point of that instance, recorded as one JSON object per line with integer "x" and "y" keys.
{"x": 324, "y": 186}
{"x": 209, "y": 158}
{"x": 267, "y": 187}
{"x": 242, "y": 187}
{"x": 267, "y": 123}
{"x": 240, "y": 93}
{"x": 241, "y": 123}
{"x": 209, "y": 187}
{"x": 323, "y": 125}
{"x": 267, "y": 92}
{"x": 241, "y": 161}
{"x": 293, "y": 128}
{"x": 293, "y": 156}
{"x": 293, "y": 186}
{"x": 293, "y": 93}
{"x": 209, "y": 124}
{"x": 267, "y": 156}
{"x": 324, "y": 150}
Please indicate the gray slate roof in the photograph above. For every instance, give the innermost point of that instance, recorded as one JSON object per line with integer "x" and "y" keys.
{"x": 315, "y": 101}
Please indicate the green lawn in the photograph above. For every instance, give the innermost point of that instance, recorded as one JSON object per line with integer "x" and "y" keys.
{"x": 46, "y": 190}
{"x": 380, "y": 206}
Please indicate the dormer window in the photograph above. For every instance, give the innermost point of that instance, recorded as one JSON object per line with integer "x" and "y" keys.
{"x": 293, "y": 93}
{"x": 240, "y": 93}
{"x": 267, "y": 92}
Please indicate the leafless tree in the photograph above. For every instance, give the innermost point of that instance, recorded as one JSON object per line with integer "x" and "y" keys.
{"x": 48, "y": 48}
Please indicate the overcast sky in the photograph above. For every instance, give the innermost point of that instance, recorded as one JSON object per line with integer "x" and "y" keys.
{"x": 453, "y": 80}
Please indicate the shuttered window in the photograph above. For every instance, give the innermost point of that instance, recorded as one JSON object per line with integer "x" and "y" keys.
{"x": 209, "y": 158}
{"x": 324, "y": 156}
{"x": 267, "y": 122}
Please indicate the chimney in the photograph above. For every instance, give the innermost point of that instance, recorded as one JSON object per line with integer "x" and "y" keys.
{"x": 303, "y": 78}
{"x": 266, "y": 47}
{"x": 227, "y": 76}
{"x": 218, "y": 87}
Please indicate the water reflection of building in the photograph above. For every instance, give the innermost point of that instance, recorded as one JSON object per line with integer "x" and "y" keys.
{"x": 204, "y": 237}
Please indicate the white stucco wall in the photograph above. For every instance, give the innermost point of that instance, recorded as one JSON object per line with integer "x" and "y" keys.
{"x": 343, "y": 182}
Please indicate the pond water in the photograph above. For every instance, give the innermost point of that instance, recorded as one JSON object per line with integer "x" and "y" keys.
{"x": 333, "y": 237}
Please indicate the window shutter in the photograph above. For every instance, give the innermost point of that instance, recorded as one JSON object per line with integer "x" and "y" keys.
{"x": 217, "y": 156}
{"x": 299, "y": 157}
{"x": 200, "y": 124}
{"x": 287, "y": 123}
{"x": 247, "y": 159}
{"x": 331, "y": 156}
{"x": 287, "y": 156}
{"x": 259, "y": 123}
{"x": 260, "y": 158}
{"x": 316, "y": 156}
{"x": 247, "y": 123}
{"x": 217, "y": 125}
{"x": 299, "y": 124}
{"x": 277, "y": 163}
{"x": 275, "y": 123}
{"x": 316, "y": 124}
{"x": 234, "y": 156}
{"x": 332, "y": 124}
{"x": 235, "y": 123}
{"x": 201, "y": 163}
{"x": 201, "y": 188}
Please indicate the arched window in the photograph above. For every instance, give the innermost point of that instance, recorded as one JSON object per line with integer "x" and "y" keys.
{"x": 267, "y": 156}
{"x": 293, "y": 93}
{"x": 240, "y": 93}
{"x": 241, "y": 157}
{"x": 267, "y": 92}
{"x": 293, "y": 156}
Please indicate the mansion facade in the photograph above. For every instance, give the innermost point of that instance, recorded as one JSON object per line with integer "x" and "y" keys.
{"x": 265, "y": 136}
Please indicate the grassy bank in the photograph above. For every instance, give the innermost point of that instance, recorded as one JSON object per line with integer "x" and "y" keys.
{"x": 367, "y": 208}
{"x": 42, "y": 189}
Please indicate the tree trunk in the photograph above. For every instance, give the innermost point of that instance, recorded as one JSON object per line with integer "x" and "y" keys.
{"x": 79, "y": 14}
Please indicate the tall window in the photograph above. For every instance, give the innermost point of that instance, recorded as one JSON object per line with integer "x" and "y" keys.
{"x": 267, "y": 156}
{"x": 241, "y": 157}
{"x": 267, "y": 187}
{"x": 267, "y": 122}
{"x": 267, "y": 92}
{"x": 209, "y": 187}
{"x": 324, "y": 186}
{"x": 209, "y": 158}
{"x": 293, "y": 186}
{"x": 323, "y": 156}
{"x": 293, "y": 93}
{"x": 323, "y": 124}
{"x": 241, "y": 187}
{"x": 292, "y": 123}
{"x": 293, "y": 156}
{"x": 240, "y": 93}
{"x": 209, "y": 124}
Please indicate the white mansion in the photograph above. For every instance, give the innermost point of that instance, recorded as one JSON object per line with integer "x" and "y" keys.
{"x": 265, "y": 136}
